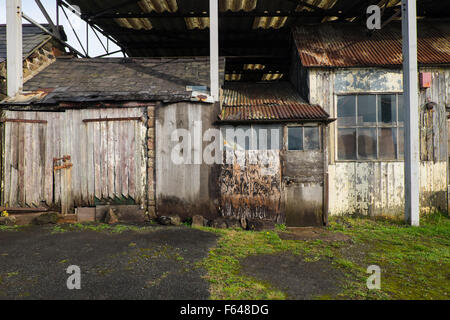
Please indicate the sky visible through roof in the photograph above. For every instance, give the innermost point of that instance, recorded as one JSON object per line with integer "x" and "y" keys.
{"x": 32, "y": 10}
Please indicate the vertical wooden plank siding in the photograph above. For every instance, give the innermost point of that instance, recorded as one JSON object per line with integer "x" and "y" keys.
{"x": 96, "y": 132}
{"x": 137, "y": 157}
{"x": 7, "y": 161}
{"x": 116, "y": 153}
{"x": 108, "y": 157}
{"x": 13, "y": 169}
{"x": 131, "y": 160}
{"x": 125, "y": 155}
{"x": 104, "y": 159}
{"x": 89, "y": 138}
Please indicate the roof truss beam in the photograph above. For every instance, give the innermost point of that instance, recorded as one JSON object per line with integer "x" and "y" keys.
{"x": 239, "y": 14}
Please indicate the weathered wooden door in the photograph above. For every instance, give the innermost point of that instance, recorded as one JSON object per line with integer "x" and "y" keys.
{"x": 23, "y": 168}
{"x": 73, "y": 158}
{"x": 115, "y": 158}
{"x": 303, "y": 164}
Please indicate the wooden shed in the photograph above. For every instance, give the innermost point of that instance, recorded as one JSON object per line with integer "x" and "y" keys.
{"x": 82, "y": 134}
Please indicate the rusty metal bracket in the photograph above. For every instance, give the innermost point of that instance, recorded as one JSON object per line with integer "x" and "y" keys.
{"x": 64, "y": 166}
{"x": 23, "y": 121}
{"x": 66, "y": 163}
{"x": 113, "y": 119}
{"x": 64, "y": 158}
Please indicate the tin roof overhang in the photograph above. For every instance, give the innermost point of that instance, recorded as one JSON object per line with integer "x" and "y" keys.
{"x": 267, "y": 102}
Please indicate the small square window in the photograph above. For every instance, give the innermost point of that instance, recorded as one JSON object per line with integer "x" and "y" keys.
{"x": 311, "y": 140}
{"x": 295, "y": 138}
{"x": 303, "y": 138}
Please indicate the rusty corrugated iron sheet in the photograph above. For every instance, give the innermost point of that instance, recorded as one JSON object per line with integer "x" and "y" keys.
{"x": 345, "y": 45}
{"x": 267, "y": 102}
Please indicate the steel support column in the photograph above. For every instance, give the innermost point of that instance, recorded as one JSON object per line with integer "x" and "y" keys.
{"x": 214, "y": 47}
{"x": 14, "y": 62}
{"x": 410, "y": 94}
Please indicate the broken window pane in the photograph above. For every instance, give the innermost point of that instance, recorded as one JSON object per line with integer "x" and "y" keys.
{"x": 347, "y": 144}
{"x": 367, "y": 143}
{"x": 386, "y": 109}
{"x": 311, "y": 138}
{"x": 295, "y": 138}
{"x": 387, "y": 143}
{"x": 346, "y": 108}
{"x": 367, "y": 110}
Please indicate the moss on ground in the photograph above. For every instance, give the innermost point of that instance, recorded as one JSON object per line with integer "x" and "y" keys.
{"x": 414, "y": 261}
{"x": 101, "y": 227}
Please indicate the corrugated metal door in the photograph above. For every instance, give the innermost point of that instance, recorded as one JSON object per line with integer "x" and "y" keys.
{"x": 73, "y": 158}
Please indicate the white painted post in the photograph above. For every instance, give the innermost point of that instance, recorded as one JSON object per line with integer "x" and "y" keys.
{"x": 214, "y": 47}
{"x": 14, "y": 75}
{"x": 410, "y": 98}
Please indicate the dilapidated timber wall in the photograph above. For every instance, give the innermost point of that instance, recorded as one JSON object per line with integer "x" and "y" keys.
{"x": 106, "y": 149}
{"x": 377, "y": 187}
{"x": 191, "y": 187}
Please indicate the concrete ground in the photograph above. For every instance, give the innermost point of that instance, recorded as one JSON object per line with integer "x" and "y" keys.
{"x": 146, "y": 262}
{"x": 158, "y": 263}
{"x": 300, "y": 280}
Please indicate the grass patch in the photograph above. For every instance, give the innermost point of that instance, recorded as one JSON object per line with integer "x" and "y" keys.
{"x": 100, "y": 227}
{"x": 11, "y": 228}
{"x": 223, "y": 264}
{"x": 414, "y": 261}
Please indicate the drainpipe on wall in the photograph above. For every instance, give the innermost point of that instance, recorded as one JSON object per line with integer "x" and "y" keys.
{"x": 14, "y": 77}
{"x": 410, "y": 93}
{"x": 214, "y": 47}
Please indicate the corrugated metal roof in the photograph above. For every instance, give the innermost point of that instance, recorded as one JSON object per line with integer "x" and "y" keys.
{"x": 158, "y": 5}
{"x": 348, "y": 45}
{"x": 267, "y": 102}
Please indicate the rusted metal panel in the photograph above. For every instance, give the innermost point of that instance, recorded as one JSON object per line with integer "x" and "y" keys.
{"x": 349, "y": 45}
{"x": 275, "y": 101}
{"x": 251, "y": 188}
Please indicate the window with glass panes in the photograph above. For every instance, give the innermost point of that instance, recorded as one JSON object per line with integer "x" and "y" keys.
{"x": 303, "y": 138}
{"x": 370, "y": 127}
